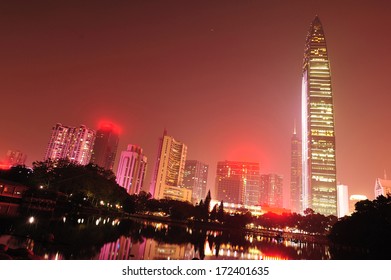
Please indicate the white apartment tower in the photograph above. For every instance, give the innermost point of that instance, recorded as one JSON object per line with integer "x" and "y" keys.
{"x": 131, "y": 169}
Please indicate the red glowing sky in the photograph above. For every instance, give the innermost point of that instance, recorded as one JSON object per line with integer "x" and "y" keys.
{"x": 224, "y": 77}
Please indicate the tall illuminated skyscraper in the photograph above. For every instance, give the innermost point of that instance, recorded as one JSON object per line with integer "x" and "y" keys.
{"x": 296, "y": 198}
{"x": 167, "y": 177}
{"x": 131, "y": 169}
{"x": 105, "y": 146}
{"x": 318, "y": 137}
{"x": 73, "y": 143}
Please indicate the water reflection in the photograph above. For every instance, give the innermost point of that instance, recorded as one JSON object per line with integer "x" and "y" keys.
{"x": 107, "y": 238}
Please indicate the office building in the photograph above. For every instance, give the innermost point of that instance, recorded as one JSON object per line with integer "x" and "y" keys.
{"x": 105, "y": 146}
{"x": 319, "y": 189}
{"x": 272, "y": 190}
{"x": 131, "y": 169}
{"x": 195, "y": 179}
{"x": 295, "y": 190}
{"x": 238, "y": 182}
{"x": 343, "y": 201}
{"x": 167, "y": 177}
{"x": 382, "y": 187}
{"x": 15, "y": 157}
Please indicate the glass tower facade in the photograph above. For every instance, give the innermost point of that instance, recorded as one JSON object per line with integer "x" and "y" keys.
{"x": 318, "y": 136}
{"x": 238, "y": 182}
{"x": 105, "y": 146}
{"x": 195, "y": 178}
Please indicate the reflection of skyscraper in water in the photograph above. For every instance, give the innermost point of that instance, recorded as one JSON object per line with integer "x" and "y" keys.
{"x": 122, "y": 249}
{"x": 131, "y": 169}
{"x": 238, "y": 182}
{"x": 164, "y": 251}
{"x": 195, "y": 179}
{"x": 319, "y": 188}
{"x": 167, "y": 177}
{"x": 105, "y": 146}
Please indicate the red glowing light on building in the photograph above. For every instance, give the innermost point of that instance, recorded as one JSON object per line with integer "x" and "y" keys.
{"x": 4, "y": 166}
{"x": 108, "y": 125}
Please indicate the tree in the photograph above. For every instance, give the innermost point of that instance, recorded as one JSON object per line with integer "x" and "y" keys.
{"x": 309, "y": 211}
{"x": 220, "y": 213}
{"x": 213, "y": 213}
{"x": 368, "y": 228}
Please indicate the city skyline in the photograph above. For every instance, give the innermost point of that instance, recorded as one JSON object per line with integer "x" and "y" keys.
{"x": 233, "y": 70}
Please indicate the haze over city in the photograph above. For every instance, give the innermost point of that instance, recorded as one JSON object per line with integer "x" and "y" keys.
{"x": 223, "y": 77}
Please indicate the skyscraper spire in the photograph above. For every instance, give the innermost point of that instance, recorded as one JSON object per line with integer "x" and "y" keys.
{"x": 319, "y": 190}
{"x": 294, "y": 127}
{"x": 295, "y": 183}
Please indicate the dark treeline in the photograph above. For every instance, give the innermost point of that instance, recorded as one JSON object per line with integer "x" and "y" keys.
{"x": 90, "y": 186}
{"x": 310, "y": 222}
{"x": 83, "y": 187}
{"x": 365, "y": 234}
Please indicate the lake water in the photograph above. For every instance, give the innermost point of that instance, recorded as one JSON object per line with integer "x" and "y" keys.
{"x": 81, "y": 237}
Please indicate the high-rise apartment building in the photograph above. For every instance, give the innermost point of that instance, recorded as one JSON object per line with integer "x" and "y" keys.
{"x": 238, "y": 182}
{"x": 295, "y": 192}
{"x": 105, "y": 146}
{"x": 195, "y": 179}
{"x": 319, "y": 188}
{"x": 167, "y": 177}
{"x": 131, "y": 169}
{"x": 73, "y": 143}
{"x": 272, "y": 190}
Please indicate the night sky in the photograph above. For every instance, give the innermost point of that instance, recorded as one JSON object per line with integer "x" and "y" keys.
{"x": 224, "y": 77}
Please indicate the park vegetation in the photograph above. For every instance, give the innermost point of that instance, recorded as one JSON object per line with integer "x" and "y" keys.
{"x": 91, "y": 187}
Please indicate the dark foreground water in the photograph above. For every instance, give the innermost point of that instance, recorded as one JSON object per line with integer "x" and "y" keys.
{"x": 88, "y": 237}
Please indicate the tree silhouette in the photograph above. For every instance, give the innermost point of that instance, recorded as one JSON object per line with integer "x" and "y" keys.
{"x": 364, "y": 234}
